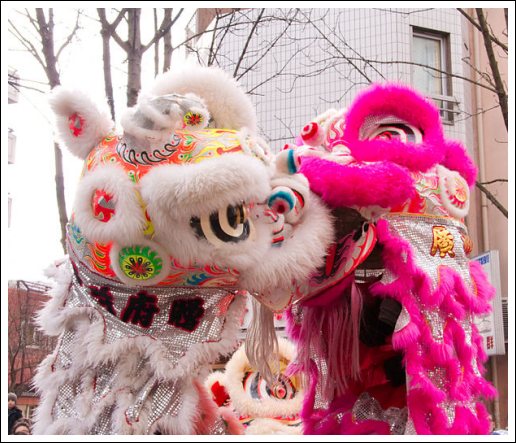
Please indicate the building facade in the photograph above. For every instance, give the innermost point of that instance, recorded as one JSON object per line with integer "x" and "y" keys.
{"x": 27, "y": 345}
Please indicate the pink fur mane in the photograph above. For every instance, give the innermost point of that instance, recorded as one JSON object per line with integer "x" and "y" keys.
{"x": 406, "y": 104}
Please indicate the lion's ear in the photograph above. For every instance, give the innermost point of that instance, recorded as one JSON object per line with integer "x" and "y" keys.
{"x": 215, "y": 384}
{"x": 81, "y": 125}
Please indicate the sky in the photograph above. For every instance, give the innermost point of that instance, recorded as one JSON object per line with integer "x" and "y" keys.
{"x": 33, "y": 238}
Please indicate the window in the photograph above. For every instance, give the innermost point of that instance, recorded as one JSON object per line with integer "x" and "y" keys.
{"x": 432, "y": 49}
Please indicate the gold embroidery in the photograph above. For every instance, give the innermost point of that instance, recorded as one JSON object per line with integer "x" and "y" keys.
{"x": 442, "y": 242}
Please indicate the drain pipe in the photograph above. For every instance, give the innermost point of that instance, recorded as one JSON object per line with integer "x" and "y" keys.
{"x": 483, "y": 200}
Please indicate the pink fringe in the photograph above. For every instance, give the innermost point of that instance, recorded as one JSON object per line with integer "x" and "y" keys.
{"x": 331, "y": 333}
{"x": 453, "y": 354}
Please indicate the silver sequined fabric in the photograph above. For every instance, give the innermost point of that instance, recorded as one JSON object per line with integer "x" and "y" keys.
{"x": 368, "y": 408}
{"x": 118, "y": 377}
{"x": 418, "y": 231}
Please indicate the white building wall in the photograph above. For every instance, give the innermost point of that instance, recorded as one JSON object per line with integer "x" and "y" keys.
{"x": 297, "y": 91}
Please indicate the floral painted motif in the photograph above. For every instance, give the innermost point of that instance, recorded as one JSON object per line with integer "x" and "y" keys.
{"x": 139, "y": 263}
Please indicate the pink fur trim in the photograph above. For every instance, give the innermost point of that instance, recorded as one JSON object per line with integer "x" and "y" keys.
{"x": 407, "y": 105}
{"x": 453, "y": 353}
{"x": 382, "y": 183}
{"x": 457, "y": 159}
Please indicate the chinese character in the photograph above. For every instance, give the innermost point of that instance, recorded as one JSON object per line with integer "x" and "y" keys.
{"x": 442, "y": 242}
{"x": 140, "y": 309}
{"x": 490, "y": 342}
{"x": 104, "y": 297}
{"x": 186, "y": 313}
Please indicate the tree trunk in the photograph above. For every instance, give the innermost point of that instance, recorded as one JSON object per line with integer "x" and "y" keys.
{"x": 156, "y": 44}
{"x": 106, "y": 60}
{"x": 134, "y": 57}
{"x": 61, "y": 202}
{"x": 167, "y": 38}
{"x": 500, "y": 89}
{"x": 46, "y": 31}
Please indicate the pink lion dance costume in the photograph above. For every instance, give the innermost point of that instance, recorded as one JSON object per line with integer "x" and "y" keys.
{"x": 385, "y": 331}
{"x": 169, "y": 227}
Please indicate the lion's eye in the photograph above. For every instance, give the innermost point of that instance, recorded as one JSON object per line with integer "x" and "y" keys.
{"x": 397, "y": 131}
{"x": 230, "y": 224}
{"x": 257, "y": 388}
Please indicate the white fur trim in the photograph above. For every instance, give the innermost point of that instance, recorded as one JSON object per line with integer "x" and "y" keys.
{"x": 299, "y": 255}
{"x": 180, "y": 191}
{"x": 154, "y": 247}
{"x": 227, "y": 103}
{"x": 236, "y": 368}
{"x": 212, "y": 378}
{"x": 91, "y": 351}
{"x": 97, "y": 123}
{"x": 267, "y": 426}
{"x": 128, "y": 222}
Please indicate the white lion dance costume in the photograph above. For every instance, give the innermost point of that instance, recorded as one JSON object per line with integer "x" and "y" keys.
{"x": 262, "y": 409}
{"x": 170, "y": 225}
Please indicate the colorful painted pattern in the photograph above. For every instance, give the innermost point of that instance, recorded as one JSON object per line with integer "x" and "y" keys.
{"x": 184, "y": 147}
{"x": 140, "y": 263}
{"x": 96, "y": 255}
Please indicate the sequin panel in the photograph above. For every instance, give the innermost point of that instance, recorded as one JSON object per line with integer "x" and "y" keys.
{"x": 418, "y": 231}
{"x": 438, "y": 377}
{"x": 368, "y": 408}
{"x": 219, "y": 427}
{"x": 176, "y": 340}
{"x": 104, "y": 424}
{"x": 167, "y": 400}
{"x": 132, "y": 413}
{"x": 449, "y": 409}
{"x": 64, "y": 354}
{"x": 104, "y": 381}
{"x": 65, "y": 407}
{"x": 403, "y": 320}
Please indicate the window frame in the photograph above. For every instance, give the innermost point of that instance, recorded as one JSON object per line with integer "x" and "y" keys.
{"x": 448, "y": 105}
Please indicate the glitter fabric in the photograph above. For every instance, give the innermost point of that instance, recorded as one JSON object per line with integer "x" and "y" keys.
{"x": 175, "y": 340}
{"x": 449, "y": 409}
{"x": 180, "y": 320}
{"x": 368, "y": 408}
{"x": 65, "y": 401}
{"x": 64, "y": 354}
{"x": 418, "y": 231}
{"x": 167, "y": 400}
{"x": 219, "y": 427}
{"x": 403, "y": 320}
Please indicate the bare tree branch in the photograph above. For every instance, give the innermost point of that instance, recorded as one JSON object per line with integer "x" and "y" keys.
{"x": 500, "y": 89}
{"x": 244, "y": 50}
{"x": 26, "y": 43}
{"x": 490, "y": 35}
{"x": 111, "y": 27}
{"x": 498, "y": 180}
{"x": 401, "y": 62}
{"x": 336, "y": 48}
{"x": 163, "y": 29}
{"x": 273, "y": 43}
{"x": 167, "y": 42}
{"x": 492, "y": 199}
{"x": 70, "y": 36}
